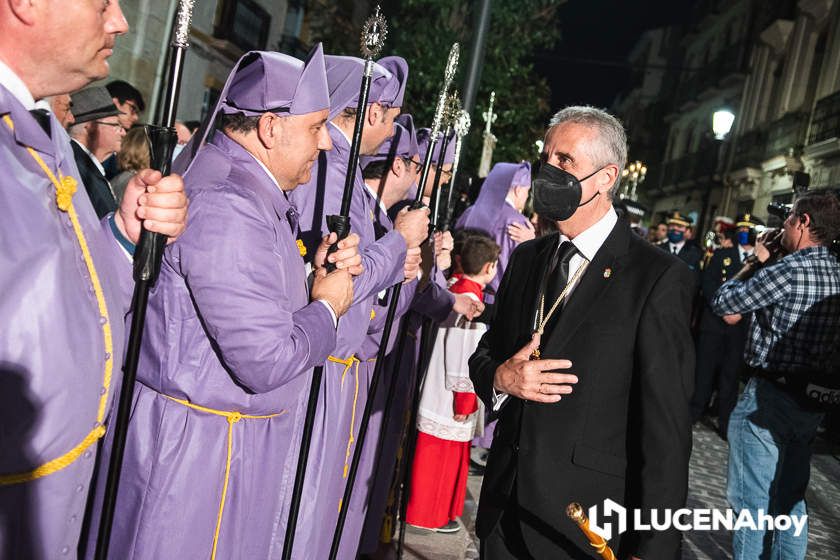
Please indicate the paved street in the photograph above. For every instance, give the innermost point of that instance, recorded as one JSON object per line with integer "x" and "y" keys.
{"x": 707, "y": 490}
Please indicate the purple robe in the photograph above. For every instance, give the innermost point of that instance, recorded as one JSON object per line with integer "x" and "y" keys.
{"x": 344, "y": 386}
{"x": 493, "y": 214}
{"x": 52, "y": 345}
{"x": 433, "y": 301}
{"x": 229, "y": 329}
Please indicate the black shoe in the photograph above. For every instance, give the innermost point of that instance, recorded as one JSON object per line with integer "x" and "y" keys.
{"x": 451, "y": 527}
{"x": 476, "y": 469}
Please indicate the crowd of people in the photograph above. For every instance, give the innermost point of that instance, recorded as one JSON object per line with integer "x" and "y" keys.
{"x": 555, "y": 354}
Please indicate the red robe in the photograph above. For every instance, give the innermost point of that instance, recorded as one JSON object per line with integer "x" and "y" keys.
{"x": 439, "y": 472}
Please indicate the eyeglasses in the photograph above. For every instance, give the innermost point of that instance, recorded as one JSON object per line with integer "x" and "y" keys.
{"x": 116, "y": 125}
{"x": 418, "y": 163}
{"x": 135, "y": 110}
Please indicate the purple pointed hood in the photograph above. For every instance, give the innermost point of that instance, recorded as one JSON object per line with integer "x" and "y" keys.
{"x": 423, "y": 142}
{"x": 491, "y": 198}
{"x": 266, "y": 82}
{"x": 344, "y": 78}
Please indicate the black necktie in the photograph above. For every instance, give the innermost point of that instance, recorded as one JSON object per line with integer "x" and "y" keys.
{"x": 674, "y": 249}
{"x": 294, "y": 218}
{"x": 560, "y": 274}
{"x": 43, "y": 118}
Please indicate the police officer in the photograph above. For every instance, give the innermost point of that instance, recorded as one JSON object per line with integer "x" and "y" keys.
{"x": 678, "y": 243}
{"x": 720, "y": 342}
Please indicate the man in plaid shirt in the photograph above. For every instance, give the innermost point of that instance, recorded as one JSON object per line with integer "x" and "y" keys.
{"x": 792, "y": 352}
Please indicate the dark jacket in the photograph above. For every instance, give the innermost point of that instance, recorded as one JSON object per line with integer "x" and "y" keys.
{"x": 723, "y": 266}
{"x": 95, "y": 182}
{"x": 625, "y": 431}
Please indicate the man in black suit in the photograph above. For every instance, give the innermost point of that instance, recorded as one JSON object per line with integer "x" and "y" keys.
{"x": 622, "y": 346}
{"x": 720, "y": 343}
{"x": 96, "y": 135}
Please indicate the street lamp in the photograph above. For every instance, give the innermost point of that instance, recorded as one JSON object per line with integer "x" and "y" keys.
{"x": 633, "y": 175}
{"x": 722, "y": 120}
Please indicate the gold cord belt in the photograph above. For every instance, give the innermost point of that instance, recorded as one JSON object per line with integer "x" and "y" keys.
{"x": 232, "y": 418}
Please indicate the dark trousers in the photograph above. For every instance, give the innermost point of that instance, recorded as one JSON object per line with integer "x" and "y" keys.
{"x": 505, "y": 542}
{"x": 720, "y": 357}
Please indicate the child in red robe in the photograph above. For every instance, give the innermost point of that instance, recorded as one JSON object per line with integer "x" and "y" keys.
{"x": 447, "y": 416}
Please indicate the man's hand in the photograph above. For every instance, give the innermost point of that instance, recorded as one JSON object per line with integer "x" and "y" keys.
{"x": 768, "y": 245}
{"x": 411, "y": 268}
{"x": 443, "y": 249}
{"x": 467, "y": 306}
{"x": 521, "y": 232}
{"x": 346, "y": 258}
{"x": 336, "y": 288}
{"x": 413, "y": 225}
{"x": 460, "y": 417}
{"x": 158, "y": 203}
{"x": 732, "y": 319}
{"x": 532, "y": 380}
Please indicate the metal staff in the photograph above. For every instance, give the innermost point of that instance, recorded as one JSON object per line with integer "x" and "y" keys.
{"x": 449, "y": 74}
{"x": 462, "y": 128}
{"x": 449, "y": 115}
{"x": 576, "y": 514}
{"x": 147, "y": 260}
{"x": 373, "y": 38}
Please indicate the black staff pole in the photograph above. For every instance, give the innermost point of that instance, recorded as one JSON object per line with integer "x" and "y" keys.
{"x": 462, "y": 128}
{"x": 373, "y": 38}
{"x": 147, "y": 262}
{"x": 451, "y": 67}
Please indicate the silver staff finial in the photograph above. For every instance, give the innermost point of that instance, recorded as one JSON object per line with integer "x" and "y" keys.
{"x": 462, "y": 123}
{"x": 451, "y": 65}
{"x": 182, "y": 25}
{"x": 374, "y": 33}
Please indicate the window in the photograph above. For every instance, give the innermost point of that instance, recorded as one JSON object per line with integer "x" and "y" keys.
{"x": 244, "y": 23}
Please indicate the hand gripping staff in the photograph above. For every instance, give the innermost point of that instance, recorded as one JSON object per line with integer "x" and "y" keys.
{"x": 147, "y": 260}
{"x": 373, "y": 38}
{"x": 449, "y": 75}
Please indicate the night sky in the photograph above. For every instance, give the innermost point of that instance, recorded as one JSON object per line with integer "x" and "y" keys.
{"x": 602, "y": 30}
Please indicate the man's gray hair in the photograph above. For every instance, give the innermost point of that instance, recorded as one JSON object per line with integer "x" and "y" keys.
{"x": 611, "y": 146}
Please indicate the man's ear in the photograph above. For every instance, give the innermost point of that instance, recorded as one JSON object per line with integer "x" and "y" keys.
{"x": 25, "y": 11}
{"x": 805, "y": 220}
{"x": 398, "y": 167}
{"x": 608, "y": 178}
{"x": 268, "y": 130}
{"x": 374, "y": 113}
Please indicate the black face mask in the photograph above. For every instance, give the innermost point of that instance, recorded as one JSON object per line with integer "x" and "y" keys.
{"x": 557, "y": 193}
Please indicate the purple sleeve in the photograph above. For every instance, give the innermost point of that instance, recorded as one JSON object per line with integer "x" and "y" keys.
{"x": 377, "y": 324}
{"x": 228, "y": 257}
{"x": 383, "y": 266}
{"x": 433, "y": 301}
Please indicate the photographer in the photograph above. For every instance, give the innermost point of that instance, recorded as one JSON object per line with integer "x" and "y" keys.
{"x": 792, "y": 286}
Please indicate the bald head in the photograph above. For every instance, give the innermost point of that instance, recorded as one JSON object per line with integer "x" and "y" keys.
{"x": 59, "y": 46}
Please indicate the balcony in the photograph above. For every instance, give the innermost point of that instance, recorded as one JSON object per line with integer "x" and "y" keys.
{"x": 698, "y": 165}
{"x": 730, "y": 61}
{"x": 786, "y": 134}
{"x": 244, "y": 23}
{"x": 826, "y": 122}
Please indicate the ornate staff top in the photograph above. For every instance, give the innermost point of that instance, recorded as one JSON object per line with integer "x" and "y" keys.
{"x": 489, "y": 115}
{"x": 448, "y": 76}
{"x": 374, "y": 33}
{"x": 463, "y": 122}
{"x": 182, "y": 24}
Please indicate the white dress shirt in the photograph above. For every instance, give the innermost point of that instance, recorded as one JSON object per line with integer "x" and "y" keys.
{"x": 16, "y": 87}
{"x": 675, "y": 248}
{"x": 588, "y": 243}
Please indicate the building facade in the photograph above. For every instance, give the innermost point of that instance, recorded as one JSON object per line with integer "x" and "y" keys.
{"x": 776, "y": 66}
{"x": 222, "y": 30}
